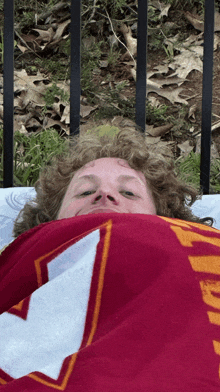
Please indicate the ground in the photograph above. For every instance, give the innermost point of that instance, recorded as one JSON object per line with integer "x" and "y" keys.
{"x": 185, "y": 132}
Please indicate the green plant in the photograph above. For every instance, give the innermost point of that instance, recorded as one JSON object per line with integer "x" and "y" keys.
{"x": 54, "y": 67}
{"x": 27, "y": 18}
{"x": 189, "y": 171}
{"x": 38, "y": 151}
{"x": 53, "y": 92}
{"x": 115, "y": 6}
{"x": 153, "y": 14}
{"x": 155, "y": 114}
{"x": 169, "y": 52}
{"x": 113, "y": 56}
{"x": 90, "y": 60}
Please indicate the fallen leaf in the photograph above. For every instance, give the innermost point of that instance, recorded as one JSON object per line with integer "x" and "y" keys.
{"x": 61, "y": 29}
{"x": 163, "y": 8}
{"x": 191, "y": 113}
{"x": 186, "y": 62}
{"x": 196, "y": 21}
{"x": 171, "y": 95}
{"x": 32, "y": 123}
{"x": 155, "y": 87}
{"x": 131, "y": 42}
{"x": 169, "y": 80}
{"x": 154, "y": 102}
{"x": 44, "y": 35}
{"x": 215, "y": 126}
{"x": 22, "y": 48}
{"x": 160, "y": 131}
{"x": 159, "y": 69}
{"x": 185, "y": 148}
{"x": 214, "y": 152}
{"x": 51, "y": 123}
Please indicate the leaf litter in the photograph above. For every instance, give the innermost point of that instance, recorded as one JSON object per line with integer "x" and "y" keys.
{"x": 164, "y": 80}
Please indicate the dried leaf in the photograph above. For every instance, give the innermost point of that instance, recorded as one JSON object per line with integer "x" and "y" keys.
{"x": 22, "y": 48}
{"x": 61, "y": 29}
{"x": 86, "y": 110}
{"x": 131, "y": 42}
{"x": 33, "y": 123}
{"x": 160, "y": 131}
{"x": 215, "y": 126}
{"x": 160, "y": 69}
{"x": 196, "y": 21}
{"x": 164, "y": 8}
{"x": 185, "y": 148}
{"x": 44, "y": 35}
{"x": 155, "y": 87}
{"x": 171, "y": 95}
{"x": 169, "y": 80}
{"x": 217, "y": 21}
{"x": 186, "y": 62}
{"x": 154, "y": 102}
{"x": 51, "y": 123}
{"x": 214, "y": 151}
{"x": 191, "y": 113}
{"x": 66, "y": 115}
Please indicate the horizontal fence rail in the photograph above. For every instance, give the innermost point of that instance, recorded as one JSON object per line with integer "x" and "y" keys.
{"x": 75, "y": 90}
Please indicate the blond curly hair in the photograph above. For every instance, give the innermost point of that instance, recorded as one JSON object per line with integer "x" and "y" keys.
{"x": 170, "y": 193}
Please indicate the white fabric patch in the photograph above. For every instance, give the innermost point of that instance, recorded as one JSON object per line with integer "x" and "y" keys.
{"x": 56, "y": 318}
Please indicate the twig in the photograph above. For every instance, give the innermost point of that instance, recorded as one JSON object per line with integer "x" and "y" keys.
{"x": 93, "y": 11}
{"x": 193, "y": 96}
{"x": 56, "y": 7}
{"x": 119, "y": 39}
{"x": 215, "y": 115}
{"x": 92, "y": 15}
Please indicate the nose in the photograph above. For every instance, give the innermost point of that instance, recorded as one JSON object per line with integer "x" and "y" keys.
{"x": 104, "y": 196}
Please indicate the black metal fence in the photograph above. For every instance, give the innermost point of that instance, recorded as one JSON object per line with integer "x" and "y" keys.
{"x": 140, "y": 106}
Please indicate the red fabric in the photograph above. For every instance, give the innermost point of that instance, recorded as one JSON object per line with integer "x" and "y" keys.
{"x": 153, "y": 317}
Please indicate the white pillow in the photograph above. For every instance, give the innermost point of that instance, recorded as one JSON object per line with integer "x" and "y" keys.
{"x": 12, "y": 201}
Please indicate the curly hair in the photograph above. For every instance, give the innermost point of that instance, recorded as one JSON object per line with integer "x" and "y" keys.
{"x": 169, "y": 192}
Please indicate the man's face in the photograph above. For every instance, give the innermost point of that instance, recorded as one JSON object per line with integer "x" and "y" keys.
{"x": 107, "y": 190}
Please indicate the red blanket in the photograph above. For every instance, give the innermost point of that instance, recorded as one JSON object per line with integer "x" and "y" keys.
{"x": 111, "y": 302}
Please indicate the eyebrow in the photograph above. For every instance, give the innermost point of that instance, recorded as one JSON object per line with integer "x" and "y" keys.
{"x": 121, "y": 177}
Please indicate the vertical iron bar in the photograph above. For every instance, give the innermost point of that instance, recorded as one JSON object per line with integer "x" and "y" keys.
{"x": 75, "y": 89}
{"x": 8, "y": 93}
{"x": 141, "y": 82}
{"x": 207, "y": 96}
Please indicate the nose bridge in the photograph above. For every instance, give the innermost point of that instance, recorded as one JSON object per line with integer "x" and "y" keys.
{"x": 107, "y": 190}
{"x": 107, "y": 183}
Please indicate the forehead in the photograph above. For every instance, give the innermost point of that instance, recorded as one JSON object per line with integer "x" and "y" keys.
{"x": 109, "y": 165}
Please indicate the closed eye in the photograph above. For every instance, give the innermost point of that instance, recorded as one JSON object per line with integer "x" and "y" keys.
{"x": 93, "y": 191}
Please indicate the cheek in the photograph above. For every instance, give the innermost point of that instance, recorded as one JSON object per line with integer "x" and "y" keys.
{"x": 68, "y": 209}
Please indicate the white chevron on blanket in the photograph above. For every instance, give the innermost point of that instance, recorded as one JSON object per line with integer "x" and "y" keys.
{"x": 56, "y": 316}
